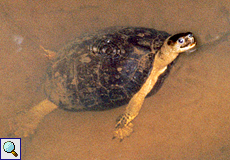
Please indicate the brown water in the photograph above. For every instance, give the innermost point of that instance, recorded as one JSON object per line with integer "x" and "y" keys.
{"x": 189, "y": 118}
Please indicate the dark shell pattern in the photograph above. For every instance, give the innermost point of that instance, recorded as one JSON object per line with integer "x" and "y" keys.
{"x": 104, "y": 70}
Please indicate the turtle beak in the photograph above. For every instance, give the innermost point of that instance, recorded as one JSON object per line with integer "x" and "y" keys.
{"x": 191, "y": 47}
{"x": 190, "y": 41}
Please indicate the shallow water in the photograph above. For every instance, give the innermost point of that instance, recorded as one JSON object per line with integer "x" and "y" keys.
{"x": 189, "y": 118}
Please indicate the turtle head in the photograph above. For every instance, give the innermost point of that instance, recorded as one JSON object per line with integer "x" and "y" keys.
{"x": 181, "y": 42}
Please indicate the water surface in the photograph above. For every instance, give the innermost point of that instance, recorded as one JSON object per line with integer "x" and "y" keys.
{"x": 189, "y": 118}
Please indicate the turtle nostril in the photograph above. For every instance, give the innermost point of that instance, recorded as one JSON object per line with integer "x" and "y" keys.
{"x": 190, "y": 35}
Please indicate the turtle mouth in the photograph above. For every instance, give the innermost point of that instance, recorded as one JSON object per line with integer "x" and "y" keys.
{"x": 189, "y": 43}
{"x": 192, "y": 45}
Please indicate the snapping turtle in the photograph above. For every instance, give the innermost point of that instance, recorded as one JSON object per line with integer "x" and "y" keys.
{"x": 113, "y": 67}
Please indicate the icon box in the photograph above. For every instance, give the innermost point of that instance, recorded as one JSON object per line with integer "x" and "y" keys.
{"x": 16, "y": 142}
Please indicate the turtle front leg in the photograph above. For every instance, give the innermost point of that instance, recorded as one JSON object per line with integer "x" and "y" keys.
{"x": 24, "y": 124}
{"x": 124, "y": 127}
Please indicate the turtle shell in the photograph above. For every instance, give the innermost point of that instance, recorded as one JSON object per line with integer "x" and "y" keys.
{"x": 104, "y": 70}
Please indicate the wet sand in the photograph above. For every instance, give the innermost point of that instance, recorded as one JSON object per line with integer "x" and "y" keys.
{"x": 189, "y": 118}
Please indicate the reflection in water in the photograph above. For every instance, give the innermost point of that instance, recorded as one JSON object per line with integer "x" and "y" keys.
{"x": 18, "y": 40}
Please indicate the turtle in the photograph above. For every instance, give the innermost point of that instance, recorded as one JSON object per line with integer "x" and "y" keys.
{"x": 108, "y": 69}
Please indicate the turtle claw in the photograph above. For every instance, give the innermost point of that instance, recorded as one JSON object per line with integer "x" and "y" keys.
{"x": 123, "y": 127}
{"x": 122, "y": 132}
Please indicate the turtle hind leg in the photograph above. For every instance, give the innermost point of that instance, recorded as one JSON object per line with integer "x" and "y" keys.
{"x": 24, "y": 124}
{"x": 48, "y": 53}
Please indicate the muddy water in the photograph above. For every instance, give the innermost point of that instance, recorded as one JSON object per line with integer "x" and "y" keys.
{"x": 189, "y": 118}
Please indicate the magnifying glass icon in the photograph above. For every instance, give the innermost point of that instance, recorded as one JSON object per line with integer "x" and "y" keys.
{"x": 9, "y": 147}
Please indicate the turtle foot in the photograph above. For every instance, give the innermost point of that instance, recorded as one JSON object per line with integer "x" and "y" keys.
{"x": 123, "y": 132}
{"x": 24, "y": 124}
{"x": 123, "y": 127}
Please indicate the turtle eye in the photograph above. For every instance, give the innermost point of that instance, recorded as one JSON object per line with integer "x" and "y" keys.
{"x": 181, "y": 40}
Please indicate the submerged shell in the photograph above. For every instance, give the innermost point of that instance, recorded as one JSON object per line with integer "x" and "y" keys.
{"x": 104, "y": 70}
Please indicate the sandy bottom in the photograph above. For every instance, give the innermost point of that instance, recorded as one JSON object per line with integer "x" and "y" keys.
{"x": 189, "y": 118}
